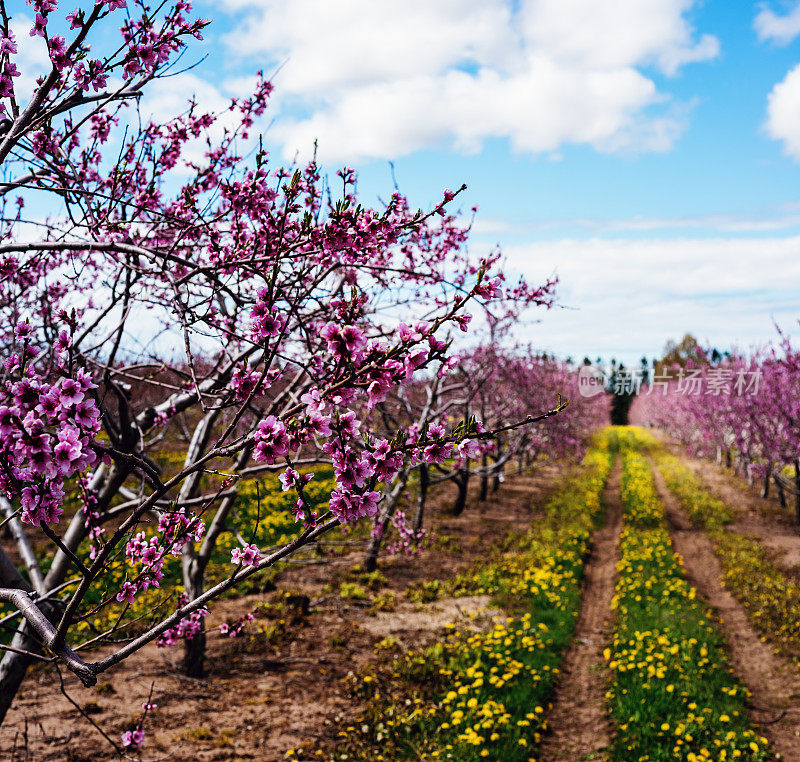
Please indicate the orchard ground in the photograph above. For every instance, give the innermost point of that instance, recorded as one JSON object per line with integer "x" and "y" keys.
{"x": 289, "y": 683}
{"x": 292, "y": 679}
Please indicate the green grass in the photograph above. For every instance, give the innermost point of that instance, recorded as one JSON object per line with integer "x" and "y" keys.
{"x": 484, "y": 694}
{"x": 770, "y": 597}
{"x": 673, "y": 694}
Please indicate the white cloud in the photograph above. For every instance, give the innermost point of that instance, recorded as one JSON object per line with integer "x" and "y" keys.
{"x": 166, "y": 98}
{"x": 32, "y": 58}
{"x": 783, "y": 113}
{"x": 538, "y": 111}
{"x": 778, "y": 29}
{"x": 621, "y": 34}
{"x": 784, "y": 217}
{"x": 379, "y": 80}
{"x": 628, "y": 297}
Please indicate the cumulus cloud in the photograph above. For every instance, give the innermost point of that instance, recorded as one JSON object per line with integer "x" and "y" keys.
{"x": 775, "y": 28}
{"x": 782, "y": 217}
{"x": 627, "y": 297}
{"x": 783, "y": 113}
{"x": 32, "y": 58}
{"x": 380, "y": 80}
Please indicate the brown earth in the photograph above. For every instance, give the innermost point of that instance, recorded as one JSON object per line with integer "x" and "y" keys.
{"x": 773, "y": 682}
{"x": 266, "y": 693}
{"x": 580, "y": 727}
{"x": 774, "y": 526}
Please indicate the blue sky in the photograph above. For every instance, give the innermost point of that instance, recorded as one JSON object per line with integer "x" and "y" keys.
{"x": 648, "y": 151}
{"x": 629, "y": 147}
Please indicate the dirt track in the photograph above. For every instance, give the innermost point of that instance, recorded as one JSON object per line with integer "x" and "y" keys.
{"x": 772, "y": 681}
{"x": 580, "y": 728}
{"x": 775, "y": 527}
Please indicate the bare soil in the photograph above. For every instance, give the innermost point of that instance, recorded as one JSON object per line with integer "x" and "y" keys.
{"x": 774, "y": 526}
{"x": 580, "y": 727}
{"x": 773, "y": 682}
{"x": 264, "y": 694}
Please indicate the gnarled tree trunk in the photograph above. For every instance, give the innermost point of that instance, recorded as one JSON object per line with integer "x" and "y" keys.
{"x": 422, "y": 498}
{"x": 462, "y": 483}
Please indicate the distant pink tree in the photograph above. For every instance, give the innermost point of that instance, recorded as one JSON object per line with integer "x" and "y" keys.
{"x": 498, "y": 387}
{"x": 746, "y": 406}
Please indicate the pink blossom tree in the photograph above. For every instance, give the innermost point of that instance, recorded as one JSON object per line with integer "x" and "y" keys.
{"x": 498, "y": 387}
{"x": 745, "y": 405}
{"x": 157, "y": 292}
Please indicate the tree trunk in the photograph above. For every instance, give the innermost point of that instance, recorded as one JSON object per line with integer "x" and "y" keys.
{"x": 424, "y": 482}
{"x": 12, "y": 670}
{"x": 719, "y": 455}
{"x": 498, "y": 478}
{"x": 390, "y": 502}
{"x": 194, "y": 649}
{"x": 781, "y": 494}
{"x": 498, "y": 472}
{"x": 765, "y": 488}
{"x": 194, "y": 653}
{"x": 462, "y": 481}
{"x": 194, "y": 567}
{"x": 484, "y": 492}
{"x": 375, "y": 541}
{"x": 14, "y": 665}
{"x": 727, "y": 458}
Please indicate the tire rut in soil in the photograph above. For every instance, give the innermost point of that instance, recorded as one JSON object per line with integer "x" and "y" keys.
{"x": 773, "y": 682}
{"x": 579, "y": 724}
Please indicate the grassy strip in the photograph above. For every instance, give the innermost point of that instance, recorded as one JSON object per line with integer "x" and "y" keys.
{"x": 770, "y": 597}
{"x": 483, "y": 695}
{"x": 673, "y": 695}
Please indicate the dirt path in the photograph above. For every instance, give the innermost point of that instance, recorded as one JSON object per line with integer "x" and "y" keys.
{"x": 579, "y": 726}
{"x": 775, "y": 527}
{"x": 772, "y": 681}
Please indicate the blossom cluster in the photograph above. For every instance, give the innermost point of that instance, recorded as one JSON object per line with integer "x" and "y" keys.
{"x": 186, "y": 629}
{"x": 236, "y": 629}
{"x": 134, "y": 738}
{"x": 48, "y": 425}
{"x": 175, "y": 530}
{"x": 331, "y": 417}
{"x": 408, "y": 541}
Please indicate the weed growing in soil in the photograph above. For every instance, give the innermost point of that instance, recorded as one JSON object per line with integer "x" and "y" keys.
{"x": 484, "y": 694}
{"x": 673, "y": 695}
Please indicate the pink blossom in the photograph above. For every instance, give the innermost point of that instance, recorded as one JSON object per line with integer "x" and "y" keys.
{"x": 288, "y": 479}
{"x": 249, "y": 555}
{"x": 272, "y": 441}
